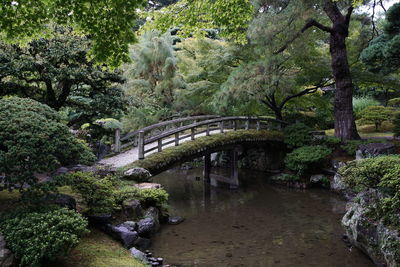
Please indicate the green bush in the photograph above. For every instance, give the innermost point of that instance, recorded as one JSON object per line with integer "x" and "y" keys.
{"x": 394, "y": 102}
{"x": 34, "y": 236}
{"x": 361, "y": 103}
{"x": 34, "y": 140}
{"x": 148, "y": 197}
{"x": 376, "y": 115}
{"x": 297, "y": 135}
{"x": 382, "y": 173}
{"x": 329, "y": 141}
{"x": 351, "y": 146}
{"x": 307, "y": 159}
{"x": 97, "y": 193}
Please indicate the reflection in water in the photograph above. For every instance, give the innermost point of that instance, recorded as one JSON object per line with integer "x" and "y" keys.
{"x": 257, "y": 225}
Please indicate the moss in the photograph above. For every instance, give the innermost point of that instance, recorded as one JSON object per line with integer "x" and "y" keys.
{"x": 157, "y": 161}
{"x": 98, "y": 250}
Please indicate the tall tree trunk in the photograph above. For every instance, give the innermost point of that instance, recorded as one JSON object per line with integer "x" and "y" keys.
{"x": 345, "y": 127}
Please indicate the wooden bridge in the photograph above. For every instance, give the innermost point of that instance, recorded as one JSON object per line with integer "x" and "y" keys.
{"x": 138, "y": 144}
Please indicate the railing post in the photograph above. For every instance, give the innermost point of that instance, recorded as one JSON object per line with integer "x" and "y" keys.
{"x": 177, "y": 139}
{"x": 192, "y": 133}
{"x": 258, "y": 125}
{"x": 247, "y": 126}
{"x": 208, "y": 130}
{"x": 234, "y": 125}
{"x": 159, "y": 145}
{"x": 221, "y": 126}
{"x": 117, "y": 141}
{"x": 141, "y": 145}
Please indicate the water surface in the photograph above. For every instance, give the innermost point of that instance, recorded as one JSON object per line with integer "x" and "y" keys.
{"x": 257, "y": 225}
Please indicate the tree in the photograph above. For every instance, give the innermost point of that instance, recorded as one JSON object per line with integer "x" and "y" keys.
{"x": 56, "y": 72}
{"x": 383, "y": 53}
{"x": 339, "y": 15}
{"x": 33, "y": 140}
{"x": 377, "y": 115}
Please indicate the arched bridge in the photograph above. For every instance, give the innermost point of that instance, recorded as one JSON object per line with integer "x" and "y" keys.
{"x": 139, "y": 144}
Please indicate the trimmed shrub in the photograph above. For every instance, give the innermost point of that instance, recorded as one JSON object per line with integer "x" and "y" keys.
{"x": 394, "y": 102}
{"x": 297, "y": 135}
{"x": 307, "y": 159}
{"x": 34, "y": 140}
{"x": 97, "y": 193}
{"x": 376, "y": 115}
{"x": 156, "y": 197}
{"x": 34, "y": 236}
{"x": 361, "y": 103}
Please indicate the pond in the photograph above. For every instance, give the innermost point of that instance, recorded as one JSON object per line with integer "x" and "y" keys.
{"x": 259, "y": 224}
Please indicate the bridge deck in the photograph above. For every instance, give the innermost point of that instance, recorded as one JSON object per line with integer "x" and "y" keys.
{"x": 127, "y": 157}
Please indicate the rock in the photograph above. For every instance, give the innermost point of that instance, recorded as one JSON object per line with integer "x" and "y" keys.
{"x": 174, "y": 220}
{"x": 62, "y": 200}
{"x": 101, "y": 170}
{"x": 138, "y": 174}
{"x": 148, "y": 186}
{"x": 147, "y": 227}
{"x": 123, "y": 234}
{"x": 139, "y": 255}
{"x": 132, "y": 209}
{"x": 381, "y": 243}
{"x": 99, "y": 220}
{"x": 142, "y": 243}
{"x": 337, "y": 183}
{"x": 61, "y": 171}
{"x": 6, "y": 257}
{"x": 130, "y": 225}
{"x": 317, "y": 178}
{"x": 374, "y": 149}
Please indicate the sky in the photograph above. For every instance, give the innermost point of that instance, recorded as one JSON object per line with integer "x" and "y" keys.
{"x": 379, "y": 10}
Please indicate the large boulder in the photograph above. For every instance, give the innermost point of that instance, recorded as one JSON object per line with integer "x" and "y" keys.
{"x": 123, "y": 234}
{"x": 137, "y": 174}
{"x": 132, "y": 209}
{"x": 6, "y": 257}
{"x": 148, "y": 227}
{"x": 337, "y": 183}
{"x": 374, "y": 149}
{"x": 381, "y": 243}
{"x": 148, "y": 186}
{"x": 139, "y": 255}
{"x": 62, "y": 200}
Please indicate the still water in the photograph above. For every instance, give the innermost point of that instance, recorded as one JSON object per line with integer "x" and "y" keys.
{"x": 257, "y": 225}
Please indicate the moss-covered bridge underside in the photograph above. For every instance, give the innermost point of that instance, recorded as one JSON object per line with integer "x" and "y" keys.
{"x": 167, "y": 158}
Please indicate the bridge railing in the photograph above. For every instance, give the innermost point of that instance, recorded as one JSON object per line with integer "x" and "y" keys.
{"x": 199, "y": 125}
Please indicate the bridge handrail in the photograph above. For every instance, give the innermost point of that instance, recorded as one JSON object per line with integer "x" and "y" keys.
{"x": 166, "y": 123}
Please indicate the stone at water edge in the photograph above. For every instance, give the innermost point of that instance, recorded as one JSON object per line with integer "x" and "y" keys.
{"x": 138, "y": 174}
{"x": 148, "y": 186}
{"x": 147, "y": 227}
{"x": 6, "y": 257}
{"x": 317, "y": 178}
{"x": 374, "y": 149}
{"x": 123, "y": 234}
{"x": 174, "y": 220}
{"x": 142, "y": 243}
{"x": 132, "y": 209}
{"x": 130, "y": 225}
{"x": 139, "y": 255}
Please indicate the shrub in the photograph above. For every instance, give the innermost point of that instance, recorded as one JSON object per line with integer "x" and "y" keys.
{"x": 361, "y": 103}
{"x": 394, "y": 102}
{"x": 307, "y": 159}
{"x": 329, "y": 141}
{"x": 34, "y": 236}
{"x": 33, "y": 140}
{"x": 97, "y": 193}
{"x": 149, "y": 197}
{"x": 297, "y": 135}
{"x": 382, "y": 173}
{"x": 376, "y": 115}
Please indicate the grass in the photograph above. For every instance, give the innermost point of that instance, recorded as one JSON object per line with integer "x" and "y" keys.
{"x": 157, "y": 161}
{"x": 368, "y": 131}
{"x": 98, "y": 250}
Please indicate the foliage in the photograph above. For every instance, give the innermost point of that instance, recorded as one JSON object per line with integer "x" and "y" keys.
{"x": 307, "y": 159}
{"x": 329, "y": 141}
{"x": 382, "y": 173}
{"x": 361, "y": 103}
{"x": 148, "y": 197}
{"x": 158, "y": 161}
{"x": 394, "y": 102}
{"x": 97, "y": 193}
{"x": 297, "y": 135}
{"x": 33, "y": 140}
{"x": 108, "y": 23}
{"x": 376, "y": 115}
{"x": 57, "y": 72}
{"x": 396, "y": 122}
{"x": 230, "y": 17}
{"x": 382, "y": 54}
{"x": 351, "y": 146}
{"x": 34, "y": 236}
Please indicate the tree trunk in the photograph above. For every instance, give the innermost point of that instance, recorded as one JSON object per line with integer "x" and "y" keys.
{"x": 345, "y": 127}
{"x": 278, "y": 114}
